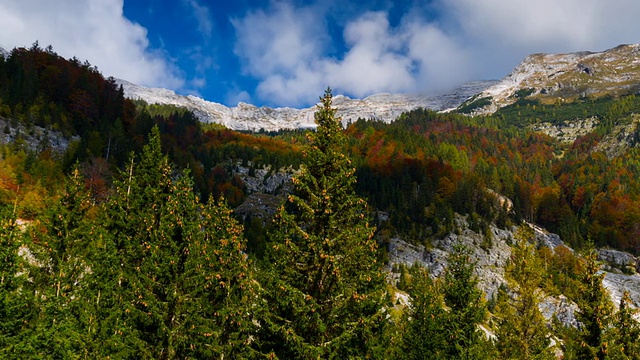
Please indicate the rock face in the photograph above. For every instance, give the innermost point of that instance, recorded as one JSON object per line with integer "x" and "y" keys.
{"x": 559, "y": 77}
{"x": 34, "y": 138}
{"x": 267, "y": 191}
{"x": 492, "y": 257}
{"x": 264, "y": 180}
{"x": 622, "y": 137}
{"x": 617, "y": 284}
{"x": 618, "y": 260}
{"x": 567, "y": 131}
{"x": 385, "y": 107}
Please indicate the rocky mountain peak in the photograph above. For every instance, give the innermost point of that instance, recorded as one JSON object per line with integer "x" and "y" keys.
{"x": 564, "y": 77}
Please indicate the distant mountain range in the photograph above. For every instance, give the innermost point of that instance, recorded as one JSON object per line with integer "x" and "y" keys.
{"x": 385, "y": 107}
{"x": 547, "y": 78}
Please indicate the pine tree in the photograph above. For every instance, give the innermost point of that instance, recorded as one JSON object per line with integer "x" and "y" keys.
{"x": 424, "y": 334}
{"x": 595, "y": 312}
{"x": 522, "y": 332}
{"x": 183, "y": 285}
{"x": 466, "y": 309}
{"x": 60, "y": 241}
{"x": 625, "y": 332}
{"x": 17, "y": 309}
{"x": 324, "y": 285}
{"x": 218, "y": 282}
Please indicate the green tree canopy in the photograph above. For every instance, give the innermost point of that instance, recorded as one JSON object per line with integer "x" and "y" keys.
{"x": 325, "y": 286}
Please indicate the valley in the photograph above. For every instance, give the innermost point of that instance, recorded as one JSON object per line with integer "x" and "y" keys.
{"x": 152, "y": 218}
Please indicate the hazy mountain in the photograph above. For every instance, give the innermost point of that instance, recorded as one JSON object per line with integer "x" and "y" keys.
{"x": 386, "y": 107}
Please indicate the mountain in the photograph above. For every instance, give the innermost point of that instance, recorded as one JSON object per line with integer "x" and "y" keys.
{"x": 562, "y": 78}
{"x": 386, "y": 107}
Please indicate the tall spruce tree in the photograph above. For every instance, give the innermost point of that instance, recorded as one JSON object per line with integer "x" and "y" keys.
{"x": 424, "y": 335}
{"x": 183, "y": 285}
{"x": 61, "y": 240}
{"x": 522, "y": 332}
{"x": 625, "y": 333}
{"x": 595, "y": 314}
{"x": 17, "y": 308}
{"x": 324, "y": 286}
{"x": 466, "y": 308}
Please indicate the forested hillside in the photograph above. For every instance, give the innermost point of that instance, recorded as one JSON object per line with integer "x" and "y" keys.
{"x": 124, "y": 243}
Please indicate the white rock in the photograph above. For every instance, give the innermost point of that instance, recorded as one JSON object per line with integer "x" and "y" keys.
{"x": 385, "y": 107}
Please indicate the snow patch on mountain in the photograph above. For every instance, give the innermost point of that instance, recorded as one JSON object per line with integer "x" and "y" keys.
{"x": 384, "y": 107}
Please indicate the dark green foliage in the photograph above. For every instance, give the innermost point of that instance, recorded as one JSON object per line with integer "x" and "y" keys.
{"x": 466, "y": 308}
{"x": 61, "y": 246}
{"x": 526, "y": 111}
{"x": 473, "y": 104}
{"x": 17, "y": 310}
{"x": 626, "y": 331}
{"x": 424, "y": 334}
{"x": 175, "y": 282}
{"x": 324, "y": 286}
{"x": 595, "y": 314}
{"x": 523, "y": 93}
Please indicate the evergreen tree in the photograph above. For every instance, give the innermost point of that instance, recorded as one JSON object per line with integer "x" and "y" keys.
{"x": 626, "y": 332}
{"x": 60, "y": 241}
{"x": 17, "y": 308}
{"x": 424, "y": 334}
{"x": 184, "y": 287}
{"x": 595, "y": 312}
{"x": 522, "y": 332}
{"x": 324, "y": 286}
{"x": 466, "y": 309}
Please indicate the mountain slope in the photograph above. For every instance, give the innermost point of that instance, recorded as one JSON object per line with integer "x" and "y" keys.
{"x": 385, "y": 107}
{"x": 553, "y": 78}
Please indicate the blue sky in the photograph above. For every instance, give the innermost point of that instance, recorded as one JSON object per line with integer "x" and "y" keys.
{"x": 286, "y": 52}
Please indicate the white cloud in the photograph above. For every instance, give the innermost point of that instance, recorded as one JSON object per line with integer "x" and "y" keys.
{"x": 279, "y": 40}
{"x": 502, "y": 32}
{"x": 93, "y": 30}
{"x": 375, "y": 60}
{"x": 203, "y": 16}
{"x": 442, "y": 62}
{"x": 283, "y": 48}
{"x": 287, "y": 48}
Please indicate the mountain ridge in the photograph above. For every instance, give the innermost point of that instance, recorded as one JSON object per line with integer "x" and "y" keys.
{"x": 552, "y": 78}
{"x": 247, "y": 117}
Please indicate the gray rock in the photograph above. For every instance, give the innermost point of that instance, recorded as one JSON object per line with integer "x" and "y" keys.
{"x": 545, "y": 238}
{"x": 617, "y": 284}
{"x": 264, "y": 180}
{"x": 33, "y": 138}
{"x": 561, "y": 308}
{"x": 618, "y": 260}
{"x": 492, "y": 260}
